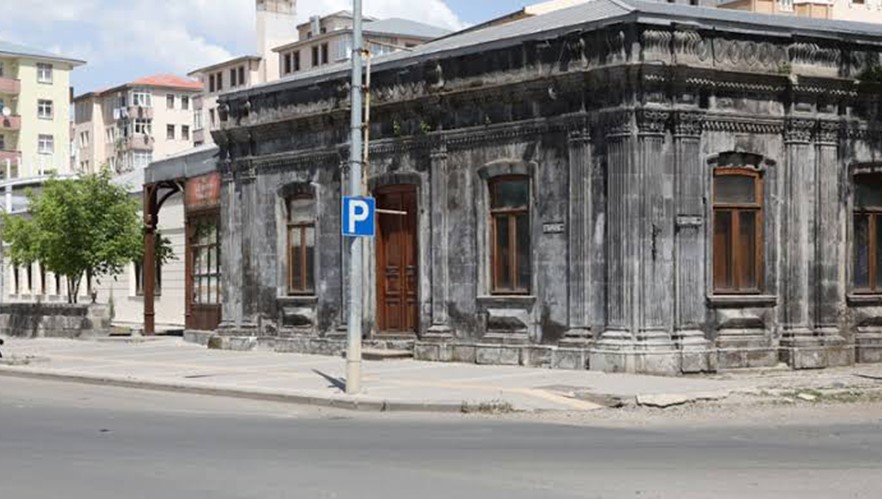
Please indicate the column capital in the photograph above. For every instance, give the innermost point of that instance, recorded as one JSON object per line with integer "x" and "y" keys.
{"x": 689, "y": 123}
{"x": 653, "y": 121}
{"x": 798, "y": 130}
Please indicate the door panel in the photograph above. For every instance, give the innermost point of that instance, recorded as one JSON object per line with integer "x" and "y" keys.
{"x": 397, "y": 267}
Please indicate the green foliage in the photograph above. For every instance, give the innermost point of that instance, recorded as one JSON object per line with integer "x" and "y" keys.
{"x": 86, "y": 226}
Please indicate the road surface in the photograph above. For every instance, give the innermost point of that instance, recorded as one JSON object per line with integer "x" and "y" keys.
{"x": 77, "y": 441}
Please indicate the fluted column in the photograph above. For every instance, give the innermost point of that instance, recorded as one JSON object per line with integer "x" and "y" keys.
{"x": 689, "y": 249}
{"x": 440, "y": 329}
{"x": 580, "y": 248}
{"x": 799, "y": 214}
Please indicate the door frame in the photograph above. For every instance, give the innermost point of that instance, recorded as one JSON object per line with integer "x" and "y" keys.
{"x": 419, "y": 261}
{"x": 191, "y": 216}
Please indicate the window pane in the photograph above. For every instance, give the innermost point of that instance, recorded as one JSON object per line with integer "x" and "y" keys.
{"x": 861, "y": 252}
{"x": 301, "y": 209}
{"x": 513, "y": 193}
{"x": 868, "y": 192}
{"x": 722, "y": 250}
{"x": 295, "y": 261}
{"x": 734, "y": 189}
{"x": 502, "y": 265}
{"x": 523, "y": 249}
{"x": 747, "y": 250}
{"x": 309, "y": 266}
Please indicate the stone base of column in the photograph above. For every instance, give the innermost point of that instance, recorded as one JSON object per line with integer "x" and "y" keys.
{"x": 697, "y": 354}
{"x": 868, "y": 345}
{"x": 577, "y": 338}
{"x": 650, "y": 352}
{"x": 802, "y": 348}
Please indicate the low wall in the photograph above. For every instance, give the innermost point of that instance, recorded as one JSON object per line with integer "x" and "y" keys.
{"x": 53, "y": 320}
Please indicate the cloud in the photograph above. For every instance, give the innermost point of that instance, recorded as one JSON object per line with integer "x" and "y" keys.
{"x": 121, "y": 36}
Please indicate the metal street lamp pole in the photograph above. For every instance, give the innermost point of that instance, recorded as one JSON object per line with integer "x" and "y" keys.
{"x": 354, "y": 334}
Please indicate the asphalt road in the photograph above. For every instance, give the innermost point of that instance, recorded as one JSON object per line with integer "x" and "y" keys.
{"x": 75, "y": 441}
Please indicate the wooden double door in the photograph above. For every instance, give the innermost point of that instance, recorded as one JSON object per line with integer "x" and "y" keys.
{"x": 203, "y": 271}
{"x": 397, "y": 259}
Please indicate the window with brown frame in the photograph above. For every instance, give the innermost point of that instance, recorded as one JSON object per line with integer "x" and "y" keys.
{"x": 205, "y": 272}
{"x": 510, "y": 235}
{"x": 301, "y": 244}
{"x": 867, "y": 251}
{"x": 738, "y": 231}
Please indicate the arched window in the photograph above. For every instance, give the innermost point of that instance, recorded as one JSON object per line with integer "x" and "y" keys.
{"x": 510, "y": 261}
{"x": 738, "y": 230}
{"x": 867, "y": 259}
{"x": 301, "y": 244}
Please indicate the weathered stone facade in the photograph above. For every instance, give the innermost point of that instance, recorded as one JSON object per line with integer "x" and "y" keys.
{"x": 619, "y": 122}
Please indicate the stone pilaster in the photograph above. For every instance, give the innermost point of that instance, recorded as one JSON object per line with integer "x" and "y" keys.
{"x": 440, "y": 329}
{"x": 689, "y": 247}
{"x": 640, "y": 201}
{"x": 580, "y": 248}
{"x": 830, "y": 244}
{"x": 799, "y": 344}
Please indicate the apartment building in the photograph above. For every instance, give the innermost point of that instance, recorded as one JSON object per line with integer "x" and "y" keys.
{"x": 868, "y": 11}
{"x": 34, "y": 111}
{"x": 327, "y": 40}
{"x": 128, "y": 126}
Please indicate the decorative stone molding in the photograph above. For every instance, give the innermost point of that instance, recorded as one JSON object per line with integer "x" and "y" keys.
{"x": 653, "y": 121}
{"x": 656, "y": 44}
{"x": 799, "y": 130}
{"x": 615, "y": 47}
{"x": 743, "y": 125}
{"x": 829, "y": 132}
{"x": 688, "y": 123}
{"x": 690, "y": 45}
{"x": 812, "y": 54}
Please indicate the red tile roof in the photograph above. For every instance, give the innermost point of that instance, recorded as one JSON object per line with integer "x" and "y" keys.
{"x": 166, "y": 80}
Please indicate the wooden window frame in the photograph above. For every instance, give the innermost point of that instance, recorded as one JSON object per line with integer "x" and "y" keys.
{"x": 302, "y": 288}
{"x": 511, "y": 215}
{"x": 214, "y": 268}
{"x": 736, "y": 209}
{"x": 873, "y": 214}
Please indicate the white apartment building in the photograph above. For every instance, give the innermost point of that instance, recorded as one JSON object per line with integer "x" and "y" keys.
{"x": 129, "y": 126}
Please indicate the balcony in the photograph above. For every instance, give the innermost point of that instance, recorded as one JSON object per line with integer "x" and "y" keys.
{"x": 139, "y": 143}
{"x": 9, "y": 86}
{"x": 139, "y": 112}
{"x": 10, "y": 124}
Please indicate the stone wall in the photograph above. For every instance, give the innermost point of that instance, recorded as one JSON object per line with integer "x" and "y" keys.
{"x": 53, "y": 320}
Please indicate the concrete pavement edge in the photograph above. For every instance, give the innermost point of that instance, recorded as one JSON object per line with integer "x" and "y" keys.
{"x": 341, "y": 402}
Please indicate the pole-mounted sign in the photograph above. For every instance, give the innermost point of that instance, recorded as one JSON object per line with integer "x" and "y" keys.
{"x": 359, "y": 216}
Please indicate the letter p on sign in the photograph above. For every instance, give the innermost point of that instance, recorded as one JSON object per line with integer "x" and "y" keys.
{"x": 359, "y": 216}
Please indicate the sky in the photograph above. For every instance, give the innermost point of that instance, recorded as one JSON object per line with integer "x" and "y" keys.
{"x": 122, "y": 40}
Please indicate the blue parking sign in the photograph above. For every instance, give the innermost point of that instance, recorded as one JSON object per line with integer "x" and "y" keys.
{"x": 359, "y": 215}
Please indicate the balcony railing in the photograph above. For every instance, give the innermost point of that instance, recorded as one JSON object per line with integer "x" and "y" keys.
{"x": 11, "y": 123}
{"x": 9, "y": 86}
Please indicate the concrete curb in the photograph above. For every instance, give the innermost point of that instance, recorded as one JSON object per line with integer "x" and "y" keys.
{"x": 341, "y": 402}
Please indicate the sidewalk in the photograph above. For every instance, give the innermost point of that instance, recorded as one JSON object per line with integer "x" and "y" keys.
{"x": 171, "y": 364}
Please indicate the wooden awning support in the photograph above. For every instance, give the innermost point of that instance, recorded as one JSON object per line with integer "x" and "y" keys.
{"x": 155, "y": 195}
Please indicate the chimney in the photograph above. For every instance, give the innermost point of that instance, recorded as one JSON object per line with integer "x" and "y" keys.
{"x": 276, "y": 26}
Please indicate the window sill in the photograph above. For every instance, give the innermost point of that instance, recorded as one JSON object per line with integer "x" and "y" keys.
{"x": 864, "y": 299}
{"x": 507, "y": 299}
{"x": 724, "y": 301}
{"x": 298, "y": 300}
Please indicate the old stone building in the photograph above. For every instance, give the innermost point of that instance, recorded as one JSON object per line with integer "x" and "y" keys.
{"x": 622, "y": 185}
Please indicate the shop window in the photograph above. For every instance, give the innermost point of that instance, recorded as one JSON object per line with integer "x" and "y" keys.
{"x": 738, "y": 231}
{"x": 205, "y": 270}
{"x": 867, "y": 247}
{"x": 510, "y": 261}
{"x": 301, "y": 244}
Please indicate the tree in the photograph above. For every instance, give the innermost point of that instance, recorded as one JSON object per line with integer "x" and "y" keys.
{"x": 86, "y": 226}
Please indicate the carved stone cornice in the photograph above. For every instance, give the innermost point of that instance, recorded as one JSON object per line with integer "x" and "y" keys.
{"x": 653, "y": 121}
{"x": 799, "y": 130}
{"x": 738, "y": 124}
